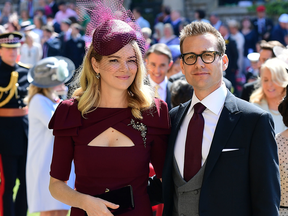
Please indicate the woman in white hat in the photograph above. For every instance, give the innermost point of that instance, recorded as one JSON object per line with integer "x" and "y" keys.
{"x": 47, "y": 77}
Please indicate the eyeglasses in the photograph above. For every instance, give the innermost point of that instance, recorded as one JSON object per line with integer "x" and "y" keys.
{"x": 207, "y": 57}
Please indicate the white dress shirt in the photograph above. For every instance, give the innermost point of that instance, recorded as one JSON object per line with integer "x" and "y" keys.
{"x": 214, "y": 103}
{"x": 162, "y": 90}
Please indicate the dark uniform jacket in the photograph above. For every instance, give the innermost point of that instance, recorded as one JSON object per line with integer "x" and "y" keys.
{"x": 75, "y": 50}
{"x": 14, "y": 130}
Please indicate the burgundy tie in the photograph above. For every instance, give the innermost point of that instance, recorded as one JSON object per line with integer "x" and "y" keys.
{"x": 193, "y": 146}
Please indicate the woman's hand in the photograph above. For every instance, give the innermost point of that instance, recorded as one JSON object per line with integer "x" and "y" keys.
{"x": 98, "y": 207}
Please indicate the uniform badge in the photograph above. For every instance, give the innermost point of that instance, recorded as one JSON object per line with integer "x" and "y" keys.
{"x": 11, "y": 37}
{"x": 79, "y": 45}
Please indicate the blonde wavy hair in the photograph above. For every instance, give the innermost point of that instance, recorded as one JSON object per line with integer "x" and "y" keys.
{"x": 47, "y": 92}
{"x": 278, "y": 74}
{"x": 140, "y": 96}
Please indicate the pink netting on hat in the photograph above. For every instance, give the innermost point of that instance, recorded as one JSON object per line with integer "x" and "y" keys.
{"x": 111, "y": 25}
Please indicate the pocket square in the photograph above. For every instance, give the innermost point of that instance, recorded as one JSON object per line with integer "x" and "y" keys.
{"x": 226, "y": 150}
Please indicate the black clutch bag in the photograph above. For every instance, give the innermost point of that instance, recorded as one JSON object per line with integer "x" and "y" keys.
{"x": 122, "y": 197}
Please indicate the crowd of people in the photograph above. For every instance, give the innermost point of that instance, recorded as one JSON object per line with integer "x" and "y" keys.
{"x": 90, "y": 104}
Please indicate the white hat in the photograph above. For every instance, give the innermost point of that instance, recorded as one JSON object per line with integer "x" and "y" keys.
{"x": 253, "y": 57}
{"x": 282, "y": 54}
{"x": 283, "y": 18}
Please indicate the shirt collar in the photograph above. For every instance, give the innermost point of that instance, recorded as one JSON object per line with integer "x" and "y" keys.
{"x": 162, "y": 85}
{"x": 214, "y": 101}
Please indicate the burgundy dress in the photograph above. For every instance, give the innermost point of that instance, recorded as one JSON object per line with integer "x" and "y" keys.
{"x": 98, "y": 168}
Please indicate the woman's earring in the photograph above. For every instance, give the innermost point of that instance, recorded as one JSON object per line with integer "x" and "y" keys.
{"x": 98, "y": 76}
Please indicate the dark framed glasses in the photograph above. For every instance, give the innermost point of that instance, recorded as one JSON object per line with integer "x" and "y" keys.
{"x": 207, "y": 57}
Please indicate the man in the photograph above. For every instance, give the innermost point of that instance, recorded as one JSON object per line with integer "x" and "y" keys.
{"x": 266, "y": 52}
{"x": 158, "y": 62}
{"x": 262, "y": 25}
{"x": 215, "y": 21}
{"x": 176, "y": 21}
{"x": 229, "y": 164}
{"x": 232, "y": 52}
{"x": 54, "y": 7}
{"x": 280, "y": 31}
{"x": 64, "y": 12}
{"x": 65, "y": 34}
{"x": 51, "y": 45}
{"x": 13, "y": 126}
{"x": 75, "y": 47}
{"x": 139, "y": 19}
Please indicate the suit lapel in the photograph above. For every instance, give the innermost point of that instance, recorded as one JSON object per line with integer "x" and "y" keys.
{"x": 168, "y": 95}
{"x": 225, "y": 126}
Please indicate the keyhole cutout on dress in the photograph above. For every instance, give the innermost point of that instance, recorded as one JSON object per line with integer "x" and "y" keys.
{"x": 111, "y": 138}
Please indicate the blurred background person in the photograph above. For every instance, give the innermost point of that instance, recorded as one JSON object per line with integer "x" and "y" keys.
{"x": 176, "y": 20}
{"x": 262, "y": 24}
{"x": 50, "y": 44}
{"x": 38, "y": 22}
{"x": 176, "y": 55}
{"x": 158, "y": 32}
{"x": 43, "y": 4}
{"x": 250, "y": 38}
{"x": 65, "y": 34}
{"x": 252, "y": 72}
{"x": 24, "y": 16}
{"x": 200, "y": 15}
{"x": 147, "y": 35}
{"x": 273, "y": 81}
{"x": 266, "y": 52}
{"x": 280, "y": 31}
{"x": 137, "y": 12}
{"x": 31, "y": 51}
{"x": 64, "y": 12}
{"x": 74, "y": 48}
{"x": 282, "y": 141}
{"x": 46, "y": 78}
{"x": 6, "y": 13}
{"x": 181, "y": 92}
{"x": 215, "y": 21}
{"x": 169, "y": 38}
{"x": 52, "y": 22}
{"x": 84, "y": 18}
{"x": 54, "y": 6}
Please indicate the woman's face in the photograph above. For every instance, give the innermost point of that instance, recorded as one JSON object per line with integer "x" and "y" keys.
{"x": 167, "y": 32}
{"x": 246, "y": 23}
{"x": 270, "y": 88}
{"x": 117, "y": 71}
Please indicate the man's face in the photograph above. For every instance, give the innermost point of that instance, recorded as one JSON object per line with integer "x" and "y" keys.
{"x": 264, "y": 56}
{"x": 205, "y": 78}
{"x": 261, "y": 15}
{"x": 158, "y": 66}
{"x": 9, "y": 55}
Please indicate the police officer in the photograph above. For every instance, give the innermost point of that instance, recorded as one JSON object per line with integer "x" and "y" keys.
{"x": 13, "y": 125}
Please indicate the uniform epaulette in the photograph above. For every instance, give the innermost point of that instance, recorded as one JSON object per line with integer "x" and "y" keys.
{"x": 24, "y": 65}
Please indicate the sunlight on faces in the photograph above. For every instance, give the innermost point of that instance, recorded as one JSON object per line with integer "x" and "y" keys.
{"x": 203, "y": 77}
{"x": 9, "y": 55}
{"x": 270, "y": 88}
{"x": 118, "y": 70}
{"x": 158, "y": 66}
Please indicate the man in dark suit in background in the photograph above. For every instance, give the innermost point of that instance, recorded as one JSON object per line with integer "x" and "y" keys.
{"x": 51, "y": 45}
{"x": 222, "y": 156}
{"x": 232, "y": 52}
{"x": 158, "y": 62}
{"x": 75, "y": 46}
{"x": 262, "y": 24}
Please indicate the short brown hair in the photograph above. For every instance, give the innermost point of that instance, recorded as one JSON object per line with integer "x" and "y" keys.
{"x": 200, "y": 28}
{"x": 269, "y": 45}
{"x": 161, "y": 49}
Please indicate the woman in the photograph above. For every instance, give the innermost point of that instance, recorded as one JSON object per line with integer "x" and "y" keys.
{"x": 30, "y": 51}
{"x": 282, "y": 141}
{"x": 112, "y": 127}
{"x": 271, "y": 92}
{"x": 169, "y": 38}
{"x": 46, "y": 79}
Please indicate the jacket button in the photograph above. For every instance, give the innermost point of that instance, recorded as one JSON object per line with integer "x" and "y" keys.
{"x": 19, "y": 101}
{"x": 182, "y": 215}
{"x": 196, "y": 192}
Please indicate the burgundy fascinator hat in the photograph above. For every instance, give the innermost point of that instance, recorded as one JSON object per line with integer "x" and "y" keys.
{"x": 112, "y": 26}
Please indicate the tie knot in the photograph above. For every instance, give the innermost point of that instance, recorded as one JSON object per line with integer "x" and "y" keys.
{"x": 199, "y": 108}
